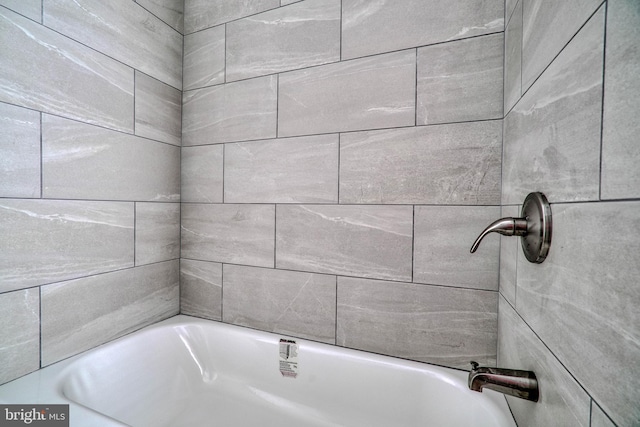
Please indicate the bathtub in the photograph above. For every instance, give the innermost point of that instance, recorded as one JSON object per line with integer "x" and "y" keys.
{"x": 186, "y": 371}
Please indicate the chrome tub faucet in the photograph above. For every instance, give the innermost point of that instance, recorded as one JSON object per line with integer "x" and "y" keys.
{"x": 522, "y": 384}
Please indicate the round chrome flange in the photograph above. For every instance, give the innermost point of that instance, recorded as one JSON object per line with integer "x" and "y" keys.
{"x": 536, "y": 242}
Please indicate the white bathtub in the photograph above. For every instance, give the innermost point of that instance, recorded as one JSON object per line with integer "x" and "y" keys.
{"x": 189, "y": 372}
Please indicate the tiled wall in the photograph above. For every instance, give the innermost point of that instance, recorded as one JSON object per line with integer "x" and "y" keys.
{"x": 339, "y": 158}
{"x": 571, "y": 131}
{"x": 90, "y": 134}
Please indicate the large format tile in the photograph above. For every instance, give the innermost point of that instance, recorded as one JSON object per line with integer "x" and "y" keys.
{"x": 44, "y": 241}
{"x": 81, "y": 161}
{"x": 435, "y": 324}
{"x": 552, "y": 136}
{"x": 599, "y": 418}
{"x": 158, "y": 110}
{"x": 509, "y": 248}
{"x": 291, "y": 170}
{"x": 46, "y": 71}
{"x": 170, "y": 11}
{"x": 201, "y": 289}
{"x": 236, "y": 111}
{"x": 32, "y": 9}
{"x": 20, "y": 333}
{"x": 442, "y": 238}
{"x": 157, "y": 232}
{"x": 289, "y": 38}
{"x": 124, "y": 31}
{"x": 80, "y": 314}
{"x": 240, "y": 234}
{"x": 19, "y": 152}
{"x": 368, "y": 93}
{"x": 583, "y": 300}
{"x": 200, "y": 14}
{"x": 620, "y": 147}
{"x": 562, "y": 401}
{"x": 202, "y": 173}
{"x": 204, "y": 58}
{"x": 442, "y": 164}
{"x": 284, "y": 302}
{"x": 366, "y": 241}
{"x": 513, "y": 59}
{"x": 460, "y": 81}
{"x": 370, "y": 27}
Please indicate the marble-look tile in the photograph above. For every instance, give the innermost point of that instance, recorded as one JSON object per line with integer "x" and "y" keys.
{"x": 204, "y": 58}
{"x": 365, "y": 241}
{"x": 443, "y": 236}
{"x": 81, "y": 161}
{"x": 45, "y": 241}
{"x": 238, "y": 234}
{"x": 282, "y": 39}
{"x": 599, "y": 418}
{"x": 552, "y": 136}
{"x": 78, "y": 315}
{"x": 620, "y": 147}
{"x": 547, "y": 28}
{"x": 158, "y": 110}
{"x": 284, "y": 302}
{"x": 434, "y": 324}
{"x": 202, "y": 173}
{"x": 19, "y": 152}
{"x": 46, "y": 71}
{"x": 509, "y": 8}
{"x": 460, "y": 81}
{"x": 513, "y": 59}
{"x": 201, "y": 289}
{"x": 32, "y": 9}
{"x": 201, "y": 14}
{"x": 583, "y": 300}
{"x": 562, "y": 401}
{"x": 286, "y": 2}
{"x": 122, "y": 30}
{"x": 170, "y": 11}
{"x": 368, "y": 93}
{"x": 157, "y": 232}
{"x": 20, "y": 333}
{"x": 370, "y": 27}
{"x": 509, "y": 248}
{"x": 443, "y": 164}
{"x": 291, "y": 170}
{"x": 236, "y": 111}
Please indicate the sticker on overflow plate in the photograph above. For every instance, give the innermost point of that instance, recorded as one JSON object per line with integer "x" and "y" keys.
{"x": 288, "y": 358}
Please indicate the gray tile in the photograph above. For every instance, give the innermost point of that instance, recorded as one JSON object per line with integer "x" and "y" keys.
{"x": 284, "y": 302}
{"x": 19, "y": 152}
{"x": 201, "y": 171}
{"x": 157, "y": 232}
{"x": 200, "y": 14}
{"x": 241, "y": 234}
{"x": 509, "y": 248}
{"x": 80, "y": 314}
{"x": 204, "y": 58}
{"x": 79, "y": 162}
{"x": 282, "y": 39}
{"x": 231, "y": 112}
{"x": 51, "y": 73}
{"x": 44, "y": 241}
{"x": 368, "y": 93}
{"x": 599, "y": 418}
{"x": 291, "y": 170}
{"x": 434, "y": 324}
{"x": 32, "y": 9}
{"x": 509, "y": 7}
{"x": 552, "y": 136}
{"x": 443, "y": 236}
{"x": 122, "y": 30}
{"x": 443, "y": 164}
{"x": 366, "y": 241}
{"x": 286, "y": 2}
{"x": 170, "y": 11}
{"x": 20, "y": 333}
{"x": 562, "y": 401}
{"x": 382, "y": 26}
{"x": 460, "y": 81}
{"x": 547, "y": 28}
{"x": 201, "y": 289}
{"x": 158, "y": 110}
{"x": 620, "y": 148}
{"x": 583, "y": 300}
{"x": 513, "y": 59}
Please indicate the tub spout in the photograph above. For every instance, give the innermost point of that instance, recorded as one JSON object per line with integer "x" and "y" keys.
{"x": 522, "y": 384}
